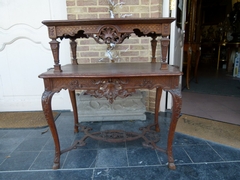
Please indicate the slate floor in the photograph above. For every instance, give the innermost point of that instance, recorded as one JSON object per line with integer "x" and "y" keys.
{"x": 28, "y": 154}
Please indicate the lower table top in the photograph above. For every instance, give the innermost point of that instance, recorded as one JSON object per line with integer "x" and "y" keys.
{"x": 112, "y": 70}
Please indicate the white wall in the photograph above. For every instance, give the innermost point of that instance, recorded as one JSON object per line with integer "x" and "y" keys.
{"x": 25, "y": 53}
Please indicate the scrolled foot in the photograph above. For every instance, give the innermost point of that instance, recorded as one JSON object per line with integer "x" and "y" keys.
{"x": 171, "y": 166}
{"x": 56, "y": 166}
{"x": 76, "y": 130}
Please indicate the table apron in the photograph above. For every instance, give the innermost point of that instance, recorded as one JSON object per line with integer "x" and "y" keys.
{"x": 116, "y": 84}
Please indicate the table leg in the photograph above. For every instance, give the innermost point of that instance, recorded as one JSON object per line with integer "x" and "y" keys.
{"x": 75, "y": 113}
{"x": 157, "y": 105}
{"x": 177, "y": 104}
{"x": 47, "y": 109}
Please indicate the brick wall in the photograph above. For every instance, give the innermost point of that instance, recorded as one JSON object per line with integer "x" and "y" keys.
{"x": 131, "y": 50}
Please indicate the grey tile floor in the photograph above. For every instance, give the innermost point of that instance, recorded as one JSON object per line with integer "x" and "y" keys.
{"x": 28, "y": 154}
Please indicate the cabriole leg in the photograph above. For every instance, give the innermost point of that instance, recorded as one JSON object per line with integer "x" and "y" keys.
{"x": 47, "y": 109}
{"x": 176, "y": 109}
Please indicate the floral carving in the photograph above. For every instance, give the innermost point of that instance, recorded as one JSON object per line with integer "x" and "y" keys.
{"x": 147, "y": 84}
{"x": 110, "y": 89}
{"x": 109, "y": 34}
{"x": 75, "y": 84}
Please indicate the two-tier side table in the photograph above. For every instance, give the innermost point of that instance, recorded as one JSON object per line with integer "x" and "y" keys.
{"x": 111, "y": 80}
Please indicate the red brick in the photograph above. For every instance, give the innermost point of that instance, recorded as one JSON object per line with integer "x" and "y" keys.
{"x": 125, "y": 59}
{"x": 145, "y": 41}
{"x": 131, "y": 2}
{"x": 87, "y": 2}
{"x": 122, "y": 47}
{"x": 97, "y": 9}
{"x": 154, "y": 8}
{"x": 70, "y": 3}
{"x": 155, "y": 15}
{"x": 124, "y": 9}
{"x": 96, "y": 60}
{"x": 145, "y": 15}
{"x": 145, "y": 53}
{"x": 89, "y": 54}
{"x": 104, "y": 15}
{"x": 131, "y": 41}
{"x": 139, "y": 59}
{"x": 103, "y": 2}
{"x": 83, "y": 60}
{"x": 71, "y": 16}
{"x": 87, "y": 41}
{"x": 134, "y": 15}
{"x": 139, "y": 47}
{"x": 102, "y": 54}
{"x": 129, "y": 53}
{"x": 83, "y": 48}
{"x": 155, "y": 2}
{"x": 87, "y": 16}
{"x": 161, "y": 2}
{"x": 145, "y": 2}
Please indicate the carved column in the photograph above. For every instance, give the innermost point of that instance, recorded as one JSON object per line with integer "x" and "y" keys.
{"x": 73, "y": 45}
{"x": 154, "y": 45}
{"x": 55, "y": 51}
{"x": 164, "y": 44}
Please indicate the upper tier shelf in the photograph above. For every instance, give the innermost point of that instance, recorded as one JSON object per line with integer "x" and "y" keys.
{"x": 107, "y": 31}
{"x": 71, "y": 28}
{"x": 89, "y": 27}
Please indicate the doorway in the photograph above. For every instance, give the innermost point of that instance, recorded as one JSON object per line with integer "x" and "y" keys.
{"x": 217, "y": 93}
{"x": 207, "y": 24}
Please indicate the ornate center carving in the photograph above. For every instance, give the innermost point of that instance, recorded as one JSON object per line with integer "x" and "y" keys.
{"x": 75, "y": 84}
{"x": 110, "y": 89}
{"x": 147, "y": 84}
{"x": 110, "y": 34}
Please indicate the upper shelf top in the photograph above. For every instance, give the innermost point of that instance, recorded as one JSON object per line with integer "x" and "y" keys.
{"x": 117, "y": 27}
{"x": 102, "y": 21}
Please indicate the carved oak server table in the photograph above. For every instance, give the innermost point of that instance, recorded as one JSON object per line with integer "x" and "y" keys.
{"x": 111, "y": 80}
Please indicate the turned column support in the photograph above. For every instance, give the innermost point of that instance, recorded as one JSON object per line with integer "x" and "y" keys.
{"x": 154, "y": 45}
{"x": 73, "y": 45}
{"x": 55, "y": 51}
{"x": 164, "y": 44}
